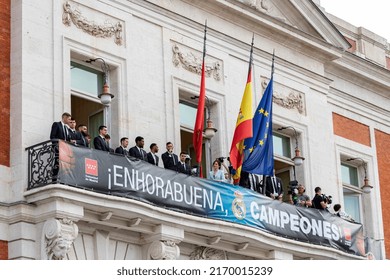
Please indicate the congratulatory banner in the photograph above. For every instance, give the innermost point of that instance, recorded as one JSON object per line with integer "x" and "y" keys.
{"x": 124, "y": 176}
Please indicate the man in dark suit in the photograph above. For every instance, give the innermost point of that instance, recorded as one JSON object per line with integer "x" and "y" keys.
{"x": 60, "y": 130}
{"x": 99, "y": 142}
{"x": 152, "y": 155}
{"x": 75, "y": 135}
{"x": 274, "y": 187}
{"x": 138, "y": 150}
{"x": 170, "y": 159}
{"x": 183, "y": 165}
{"x": 122, "y": 149}
{"x": 82, "y": 128}
{"x": 252, "y": 181}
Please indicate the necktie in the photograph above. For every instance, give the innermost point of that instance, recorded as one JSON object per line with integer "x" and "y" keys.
{"x": 184, "y": 166}
{"x": 274, "y": 185}
{"x": 65, "y": 133}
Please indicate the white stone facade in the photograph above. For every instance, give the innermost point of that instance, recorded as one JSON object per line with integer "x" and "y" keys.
{"x": 152, "y": 48}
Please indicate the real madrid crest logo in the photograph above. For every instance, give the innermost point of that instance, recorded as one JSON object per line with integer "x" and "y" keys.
{"x": 238, "y": 206}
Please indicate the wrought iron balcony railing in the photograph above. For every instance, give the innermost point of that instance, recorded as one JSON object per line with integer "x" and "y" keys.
{"x": 43, "y": 164}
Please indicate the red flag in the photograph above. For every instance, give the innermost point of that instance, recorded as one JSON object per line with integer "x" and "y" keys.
{"x": 199, "y": 122}
{"x": 243, "y": 125}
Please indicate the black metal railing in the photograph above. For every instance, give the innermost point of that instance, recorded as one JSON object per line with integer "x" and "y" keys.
{"x": 43, "y": 164}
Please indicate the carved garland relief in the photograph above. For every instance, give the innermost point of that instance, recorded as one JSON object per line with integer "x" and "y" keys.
{"x": 107, "y": 30}
{"x": 294, "y": 99}
{"x": 206, "y": 253}
{"x": 193, "y": 63}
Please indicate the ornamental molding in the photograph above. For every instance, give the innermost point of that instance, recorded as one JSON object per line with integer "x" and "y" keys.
{"x": 288, "y": 98}
{"x": 73, "y": 15}
{"x": 260, "y": 5}
{"x": 191, "y": 60}
{"x": 163, "y": 250}
{"x": 207, "y": 253}
{"x": 58, "y": 236}
{"x": 266, "y": 7}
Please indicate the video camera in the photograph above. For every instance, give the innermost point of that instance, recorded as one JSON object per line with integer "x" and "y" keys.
{"x": 221, "y": 159}
{"x": 293, "y": 190}
{"x": 327, "y": 198}
{"x": 293, "y": 187}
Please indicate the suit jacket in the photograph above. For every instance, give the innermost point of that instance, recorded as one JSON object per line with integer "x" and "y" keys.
{"x": 252, "y": 181}
{"x": 100, "y": 144}
{"x": 170, "y": 161}
{"x": 80, "y": 140}
{"x": 151, "y": 159}
{"x": 57, "y": 131}
{"x": 273, "y": 185}
{"x": 84, "y": 140}
{"x": 121, "y": 151}
{"x": 186, "y": 168}
{"x": 138, "y": 153}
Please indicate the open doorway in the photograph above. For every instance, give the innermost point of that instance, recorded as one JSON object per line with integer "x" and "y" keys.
{"x": 88, "y": 112}
{"x": 187, "y": 146}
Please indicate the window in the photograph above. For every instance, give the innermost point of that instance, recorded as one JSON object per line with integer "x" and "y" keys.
{"x": 351, "y": 191}
{"x": 187, "y": 115}
{"x": 282, "y": 145}
{"x": 352, "y": 204}
{"x": 283, "y": 165}
{"x": 349, "y": 175}
{"x": 86, "y": 80}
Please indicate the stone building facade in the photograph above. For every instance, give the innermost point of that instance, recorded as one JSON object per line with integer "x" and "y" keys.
{"x": 331, "y": 86}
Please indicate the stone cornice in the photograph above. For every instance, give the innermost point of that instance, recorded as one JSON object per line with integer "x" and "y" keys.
{"x": 250, "y": 21}
{"x": 362, "y": 72}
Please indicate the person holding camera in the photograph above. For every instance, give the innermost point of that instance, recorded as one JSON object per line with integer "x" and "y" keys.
{"x": 216, "y": 173}
{"x": 303, "y": 200}
{"x": 183, "y": 166}
{"x": 319, "y": 201}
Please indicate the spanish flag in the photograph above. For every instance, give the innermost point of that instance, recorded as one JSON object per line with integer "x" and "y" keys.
{"x": 243, "y": 125}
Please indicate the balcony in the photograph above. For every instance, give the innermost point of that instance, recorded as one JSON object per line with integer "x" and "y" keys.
{"x": 132, "y": 199}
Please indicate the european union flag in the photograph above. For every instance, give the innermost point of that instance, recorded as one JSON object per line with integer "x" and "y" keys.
{"x": 258, "y": 150}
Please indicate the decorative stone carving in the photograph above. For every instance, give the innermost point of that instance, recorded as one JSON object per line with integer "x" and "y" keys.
{"x": 266, "y": 7}
{"x": 106, "y": 30}
{"x": 57, "y": 238}
{"x": 260, "y": 5}
{"x": 294, "y": 100}
{"x": 193, "y": 63}
{"x": 164, "y": 250}
{"x": 206, "y": 253}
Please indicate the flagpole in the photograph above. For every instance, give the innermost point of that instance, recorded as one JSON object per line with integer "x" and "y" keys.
{"x": 251, "y": 55}
{"x": 243, "y": 128}
{"x": 272, "y": 66}
{"x": 199, "y": 122}
{"x": 258, "y": 154}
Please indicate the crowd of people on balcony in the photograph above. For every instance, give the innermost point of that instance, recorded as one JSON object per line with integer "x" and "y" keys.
{"x": 270, "y": 186}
